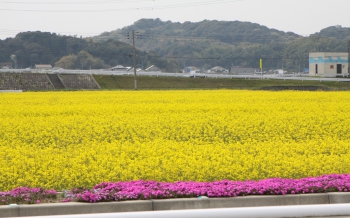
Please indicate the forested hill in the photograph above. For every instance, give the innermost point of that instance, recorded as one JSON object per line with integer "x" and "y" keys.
{"x": 231, "y": 32}
{"x": 336, "y": 32}
{"x": 32, "y": 48}
{"x": 207, "y": 44}
{"x": 172, "y": 46}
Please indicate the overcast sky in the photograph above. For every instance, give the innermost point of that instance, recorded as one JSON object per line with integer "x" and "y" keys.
{"x": 92, "y": 17}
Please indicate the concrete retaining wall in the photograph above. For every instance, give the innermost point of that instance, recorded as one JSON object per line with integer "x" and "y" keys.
{"x": 171, "y": 204}
{"x": 24, "y": 81}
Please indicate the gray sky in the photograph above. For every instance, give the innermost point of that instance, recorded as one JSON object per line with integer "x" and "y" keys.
{"x": 92, "y": 17}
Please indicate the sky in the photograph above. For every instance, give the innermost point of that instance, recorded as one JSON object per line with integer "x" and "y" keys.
{"x": 93, "y": 17}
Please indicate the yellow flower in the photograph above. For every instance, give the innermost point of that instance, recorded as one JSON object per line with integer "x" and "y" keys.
{"x": 70, "y": 139}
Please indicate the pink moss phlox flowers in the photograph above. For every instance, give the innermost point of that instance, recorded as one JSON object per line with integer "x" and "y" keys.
{"x": 141, "y": 190}
{"x": 26, "y": 195}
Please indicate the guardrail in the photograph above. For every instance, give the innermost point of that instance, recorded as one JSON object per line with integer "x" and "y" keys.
{"x": 173, "y": 205}
{"x": 262, "y": 212}
{"x": 302, "y": 77}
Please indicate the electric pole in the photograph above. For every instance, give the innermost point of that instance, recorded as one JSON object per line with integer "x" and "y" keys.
{"x": 138, "y": 35}
{"x": 349, "y": 58}
{"x": 134, "y": 56}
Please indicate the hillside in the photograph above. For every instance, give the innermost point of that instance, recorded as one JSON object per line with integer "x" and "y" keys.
{"x": 336, "y": 32}
{"x": 207, "y": 44}
{"x": 33, "y": 48}
{"x": 230, "y": 32}
{"x": 172, "y": 46}
{"x": 204, "y": 44}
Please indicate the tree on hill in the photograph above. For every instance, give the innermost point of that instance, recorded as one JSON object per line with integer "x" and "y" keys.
{"x": 68, "y": 62}
{"x": 83, "y": 60}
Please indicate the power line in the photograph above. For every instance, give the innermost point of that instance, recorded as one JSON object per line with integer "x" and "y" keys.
{"x": 25, "y": 31}
{"x": 85, "y": 2}
{"x": 222, "y": 38}
{"x": 211, "y": 2}
{"x": 228, "y": 58}
{"x": 230, "y": 39}
{"x": 178, "y": 57}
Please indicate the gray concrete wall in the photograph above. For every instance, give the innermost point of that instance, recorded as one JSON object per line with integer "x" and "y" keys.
{"x": 172, "y": 204}
{"x": 248, "y": 201}
{"x": 74, "y": 208}
{"x": 25, "y": 81}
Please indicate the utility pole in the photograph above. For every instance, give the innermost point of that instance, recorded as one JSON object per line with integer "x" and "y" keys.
{"x": 139, "y": 36}
{"x": 134, "y": 56}
{"x": 261, "y": 67}
{"x": 349, "y": 58}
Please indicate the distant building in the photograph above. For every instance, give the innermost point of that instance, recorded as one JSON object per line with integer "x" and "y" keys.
{"x": 42, "y": 66}
{"x": 329, "y": 64}
{"x": 120, "y": 68}
{"x": 57, "y": 68}
{"x": 218, "y": 69}
{"x": 191, "y": 70}
{"x": 242, "y": 70}
{"x": 132, "y": 69}
{"x": 6, "y": 65}
{"x": 153, "y": 68}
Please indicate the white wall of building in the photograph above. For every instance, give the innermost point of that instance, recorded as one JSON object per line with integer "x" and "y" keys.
{"x": 328, "y": 64}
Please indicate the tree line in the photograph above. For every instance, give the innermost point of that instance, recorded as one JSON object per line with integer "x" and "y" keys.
{"x": 70, "y": 52}
{"x": 172, "y": 46}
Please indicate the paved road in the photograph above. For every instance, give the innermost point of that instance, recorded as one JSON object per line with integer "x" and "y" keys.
{"x": 302, "y": 77}
{"x": 286, "y": 77}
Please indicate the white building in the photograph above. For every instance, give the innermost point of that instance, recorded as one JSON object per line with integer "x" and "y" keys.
{"x": 243, "y": 70}
{"x": 153, "y": 68}
{"x": 191, "y": 70}
{"x": 218, "y": 69}
{"x": 42, "y": 66}
{"x": 329, "y": 64}
{"x": 120, "y": 68}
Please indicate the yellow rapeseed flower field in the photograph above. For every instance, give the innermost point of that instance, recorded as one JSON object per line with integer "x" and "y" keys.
{"x": 70, "y": 139}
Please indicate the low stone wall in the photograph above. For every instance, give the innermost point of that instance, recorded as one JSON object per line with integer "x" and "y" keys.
{"x": 41, "y": 81}
{"x": 77, "y": 81}
{"x": 25, "y": 81}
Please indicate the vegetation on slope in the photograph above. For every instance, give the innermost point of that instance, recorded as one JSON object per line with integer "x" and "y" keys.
{"x": 33, "y": 48}
{"x": 207, "y": 44}
{"x": 202, "y": 44}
